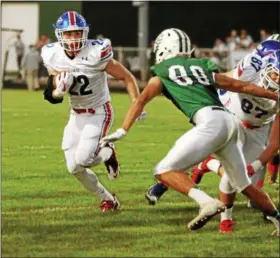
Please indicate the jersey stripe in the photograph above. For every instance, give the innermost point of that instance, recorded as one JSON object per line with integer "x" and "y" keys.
{"x": 72, "y": 18}
{"x": 106, "y": 53}
{"x": 107, "y": 122}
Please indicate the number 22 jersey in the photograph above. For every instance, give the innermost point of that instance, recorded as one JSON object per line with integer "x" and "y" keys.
{"x": 91, "y": 88}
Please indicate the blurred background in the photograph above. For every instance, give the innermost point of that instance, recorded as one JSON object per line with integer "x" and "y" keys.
{"x": 221, "y": 31}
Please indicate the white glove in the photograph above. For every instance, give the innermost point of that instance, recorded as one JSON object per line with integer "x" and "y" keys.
{"x": 119, "y": 134}
{"x": 63, "y": 83}
{"x": 142, "y": 116}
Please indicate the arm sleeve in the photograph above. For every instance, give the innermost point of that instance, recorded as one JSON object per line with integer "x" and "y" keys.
{"x": 46, "y": 54}
{"x": 48, "y": 92}
{"x": 244, "y": 70}
{"x": 105, "y": 53}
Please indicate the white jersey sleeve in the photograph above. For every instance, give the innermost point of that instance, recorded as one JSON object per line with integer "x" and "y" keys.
{"x": 104, "y": 53}
{"x": 48, "y": 55}
{"x": 248, "y": 69}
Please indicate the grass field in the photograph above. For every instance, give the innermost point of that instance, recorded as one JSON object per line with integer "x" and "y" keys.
{"x": 47, "y": 213}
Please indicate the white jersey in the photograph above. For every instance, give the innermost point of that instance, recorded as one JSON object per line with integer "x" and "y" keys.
{"x": 91, "y": 88}
{"x": 254, "y": 110}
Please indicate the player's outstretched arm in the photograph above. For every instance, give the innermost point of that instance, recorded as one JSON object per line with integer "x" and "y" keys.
{"x": 227, "y": 83}
{"x": 119, "y": 72}
{"x": 153, "y": 88}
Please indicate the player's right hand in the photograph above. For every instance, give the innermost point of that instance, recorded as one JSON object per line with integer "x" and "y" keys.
{"x": 63, "y": 82}
{"x": 119, "y": 134}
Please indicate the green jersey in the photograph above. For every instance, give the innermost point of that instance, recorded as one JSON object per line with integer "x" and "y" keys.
{"x": 189, "y": 83}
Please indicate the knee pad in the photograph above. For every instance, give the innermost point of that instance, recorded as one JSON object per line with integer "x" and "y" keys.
{"x": 83, "y": 160}
{"x": 225, "y": 185}
{"x": 75, "y": 168}
{"x": 161, "y": 168}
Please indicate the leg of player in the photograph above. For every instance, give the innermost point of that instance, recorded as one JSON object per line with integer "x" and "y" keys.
{"x": 90, "y": 181}
{"x": 273, "y": 168}
{"x": 226, "y": 195}
{"x": 235, "y": 168}
{"x": 182, "y": 183}
{"x": 155, "y": 192}
{"x": 209, "y": 164}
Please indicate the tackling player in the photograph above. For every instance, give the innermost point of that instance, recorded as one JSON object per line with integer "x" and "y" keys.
{"x": 256, "y": 114}
{"x": 78, "y": 67}
{"x": 191, "y": 85}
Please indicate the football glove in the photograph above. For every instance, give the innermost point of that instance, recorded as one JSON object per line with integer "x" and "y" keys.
{"x": 119, "y": 134}
{"x": 63, "y": 82}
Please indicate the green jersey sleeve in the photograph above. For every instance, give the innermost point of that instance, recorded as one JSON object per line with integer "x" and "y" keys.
{"x": 212, "y": 66}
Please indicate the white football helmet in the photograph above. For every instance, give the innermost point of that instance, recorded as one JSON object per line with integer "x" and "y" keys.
{"x": 274, "y": 37}
{"x": 170, "y": 43}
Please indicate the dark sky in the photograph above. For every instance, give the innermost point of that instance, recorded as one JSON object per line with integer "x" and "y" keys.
{"x": 202, "y": 21}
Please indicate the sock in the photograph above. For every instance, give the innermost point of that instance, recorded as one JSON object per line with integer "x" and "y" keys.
{"x": 227, "y": 214}
{"x": 90, "y": 182}
{"x": 159, "y": 189}
{"x": 103, "y": 155}
{"x": 214, "y": 165}
{"x": 199, "y": 196}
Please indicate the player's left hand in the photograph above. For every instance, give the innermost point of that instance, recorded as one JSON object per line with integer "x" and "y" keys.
{"x": 142, "y": 116}
{"x": 119, "y": 134}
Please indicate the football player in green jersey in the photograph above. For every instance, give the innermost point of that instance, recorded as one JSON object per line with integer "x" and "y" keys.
{"x": 191, "y": 85}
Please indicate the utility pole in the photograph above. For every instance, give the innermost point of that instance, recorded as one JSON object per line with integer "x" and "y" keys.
{"x": 143, "y": 36}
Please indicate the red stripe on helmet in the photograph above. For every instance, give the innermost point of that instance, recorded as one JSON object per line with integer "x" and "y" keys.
{"x": 72, "y": 18}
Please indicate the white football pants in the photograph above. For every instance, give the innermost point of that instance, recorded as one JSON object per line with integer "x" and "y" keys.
{"x": 82, "y": 135}
{"x": 254, "y": 144}
{"x": 216, "y": 131}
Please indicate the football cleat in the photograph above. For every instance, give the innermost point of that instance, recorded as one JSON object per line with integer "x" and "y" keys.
{"x": 276, "y": 222}
{"x": 200, "y": 170}
{"x": 226, "y": 226}
{"x": 155, "y": 192}
{"x": 110, "y": 205}
{"x": 112, "y": 164}
{"x": 207, "y": 212}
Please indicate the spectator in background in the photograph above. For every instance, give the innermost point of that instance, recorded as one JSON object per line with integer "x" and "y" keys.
{"x": 134, "y": 66}
{"x": 19, "y": 48}
{"x": 219, "y": 48}
{"x": 234, "y": 36}
{"x": 42, "y": 41}
{"x": 245, "y": 40}
{"x": 263, "y": 35}
{"x": 30, "y": 64}
{"x": 213, "y": 57}
{"x": 99, "y": 36}
{"x": 230, "y": 44}
{"x": 197, "y": 51}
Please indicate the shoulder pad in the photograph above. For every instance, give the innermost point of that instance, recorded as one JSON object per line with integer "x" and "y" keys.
{"x": 48, "y": 52}
{"x": 104, "y": 47}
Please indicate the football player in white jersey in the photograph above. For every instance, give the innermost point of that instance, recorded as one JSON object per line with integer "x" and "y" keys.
{"x": 78, "y": 67}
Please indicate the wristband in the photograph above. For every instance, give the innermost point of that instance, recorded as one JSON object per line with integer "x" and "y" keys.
{"x": 122, "y": 131}
{"x": 256, "y": 165}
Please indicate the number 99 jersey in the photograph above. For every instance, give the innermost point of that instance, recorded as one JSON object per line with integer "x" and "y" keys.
{"x": 91, "y": 88}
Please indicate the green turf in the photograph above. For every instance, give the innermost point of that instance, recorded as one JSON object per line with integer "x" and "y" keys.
{"x": 47, "y": 213}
